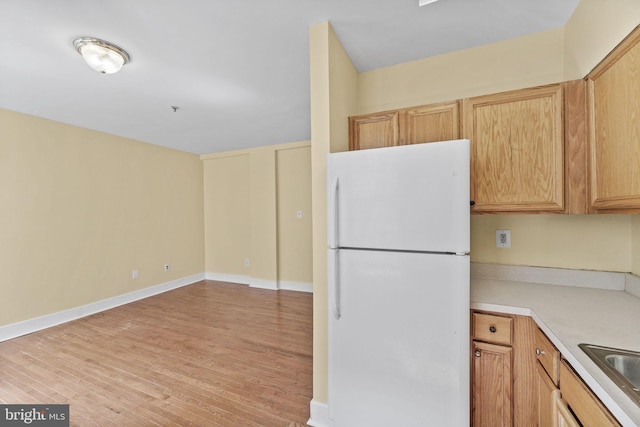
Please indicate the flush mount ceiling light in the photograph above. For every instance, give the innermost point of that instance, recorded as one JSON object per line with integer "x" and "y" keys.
{"x": 101, "y": 55}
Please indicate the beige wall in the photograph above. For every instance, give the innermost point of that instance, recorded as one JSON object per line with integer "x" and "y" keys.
{"x": 599, "y": 241}
{"x": 590, "y": 242}
{"x": 595, "y": 28}
{"x": 227, "y": 218}
{"x": 512, "y": 64}
{"x": 79, "y": 210}
{"x": 293, "y": 183}
{"x": 251, "y": 198}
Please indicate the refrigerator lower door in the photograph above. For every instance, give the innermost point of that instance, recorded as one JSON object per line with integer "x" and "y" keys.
{"x": 399, "y": 348}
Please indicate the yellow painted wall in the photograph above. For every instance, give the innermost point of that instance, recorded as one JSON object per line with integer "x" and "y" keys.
{"x": 80, "y": 209}
{"x": 590, "y": 242}
{"x": 511, "y": 64}
{"x": 293, "y": 183}
{"x": 249, "y": 196}
{"x": 264, "y": 243}
{"x": 227, "y": 219}
{"x": 595, "y": 28}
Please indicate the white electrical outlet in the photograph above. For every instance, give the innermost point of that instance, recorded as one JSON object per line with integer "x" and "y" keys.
{"x": 134, "y": 274}
{"x": 167, "y": 267}
{"x": 503, "y": 238}
{"x": 246, "y": 262}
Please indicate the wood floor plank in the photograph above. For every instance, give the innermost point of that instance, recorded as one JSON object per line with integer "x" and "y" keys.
{"x": 207, "y": 354}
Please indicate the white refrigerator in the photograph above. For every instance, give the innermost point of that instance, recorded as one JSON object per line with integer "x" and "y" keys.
{"x": 398, "y": 277}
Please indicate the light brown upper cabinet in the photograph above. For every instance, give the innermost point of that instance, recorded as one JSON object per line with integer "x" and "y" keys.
{"x": 374, "y": 130}
{"x": 430, "y": 123}
{"x": 614, "y": 129}
{"x": 517, "y": 150}
{"x": 427, "y": 123}
{"x": 528, "y": 146}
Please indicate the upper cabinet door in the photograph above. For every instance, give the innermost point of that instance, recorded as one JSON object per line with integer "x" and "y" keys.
{"x": 614, "y": 129}
{"x": 374, "y": 130}
{"x": 517, "y": 150}
{"x": 430, "y": 123}
{"x": 427, "y": 123}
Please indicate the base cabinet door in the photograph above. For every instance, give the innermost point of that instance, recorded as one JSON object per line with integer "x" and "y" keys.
{"x": 585, "y": 406}
{"x": 492, "y": 385}
{"x": 562, "y": 415}
{"x": 547, "y": 394}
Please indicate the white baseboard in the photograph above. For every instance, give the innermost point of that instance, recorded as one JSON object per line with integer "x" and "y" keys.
{"x": 319, "y": 412}
{"x": 231, "y": 278}
{"x": 295, "y": 286}
{"x": 32, "y": 325}
{"x": 261, "y": 283}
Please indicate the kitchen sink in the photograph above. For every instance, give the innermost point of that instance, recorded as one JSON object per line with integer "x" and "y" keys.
{"x": 622, "y": 366}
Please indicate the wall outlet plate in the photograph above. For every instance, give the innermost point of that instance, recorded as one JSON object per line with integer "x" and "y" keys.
{"x": 503, "y": 238}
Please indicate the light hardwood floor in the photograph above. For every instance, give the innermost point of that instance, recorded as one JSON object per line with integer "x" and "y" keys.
{"x": 207, "y": 354}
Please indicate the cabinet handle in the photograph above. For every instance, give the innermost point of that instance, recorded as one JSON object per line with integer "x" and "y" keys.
{"x": 492, "y": 329}
{"x": 472, "y": 202}
{"x": 477, "y": 353}
{"x": 539, "y": 352}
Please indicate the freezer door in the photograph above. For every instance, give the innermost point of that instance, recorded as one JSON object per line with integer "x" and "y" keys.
{"x": 399, "y": 348}
{"x": 413, "y": 197}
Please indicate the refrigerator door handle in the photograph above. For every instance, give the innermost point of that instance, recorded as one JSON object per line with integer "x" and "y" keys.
{"x": 333, "y": 215}
{"x": 335, "y": 303}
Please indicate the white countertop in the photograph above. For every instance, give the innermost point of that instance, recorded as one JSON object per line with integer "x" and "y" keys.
{"x": 571, "y": 315}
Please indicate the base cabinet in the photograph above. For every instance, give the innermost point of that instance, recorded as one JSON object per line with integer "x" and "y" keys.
{"x": 585, "y": 406}
{"x": 519, "y": 378}
{"x": 563, "y": 417}
{"x": 563, "y": 398}
{"x": 547, "y": 394}
{"x": 492, "y": 381}
{"x": 502, "y": 365}
{"x": 552, "y": 410}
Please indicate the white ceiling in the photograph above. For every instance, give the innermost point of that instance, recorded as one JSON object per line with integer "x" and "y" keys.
{"x": 238, "y": 70}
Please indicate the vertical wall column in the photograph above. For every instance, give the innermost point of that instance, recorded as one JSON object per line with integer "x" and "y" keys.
{"x": 334, "y": 84}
